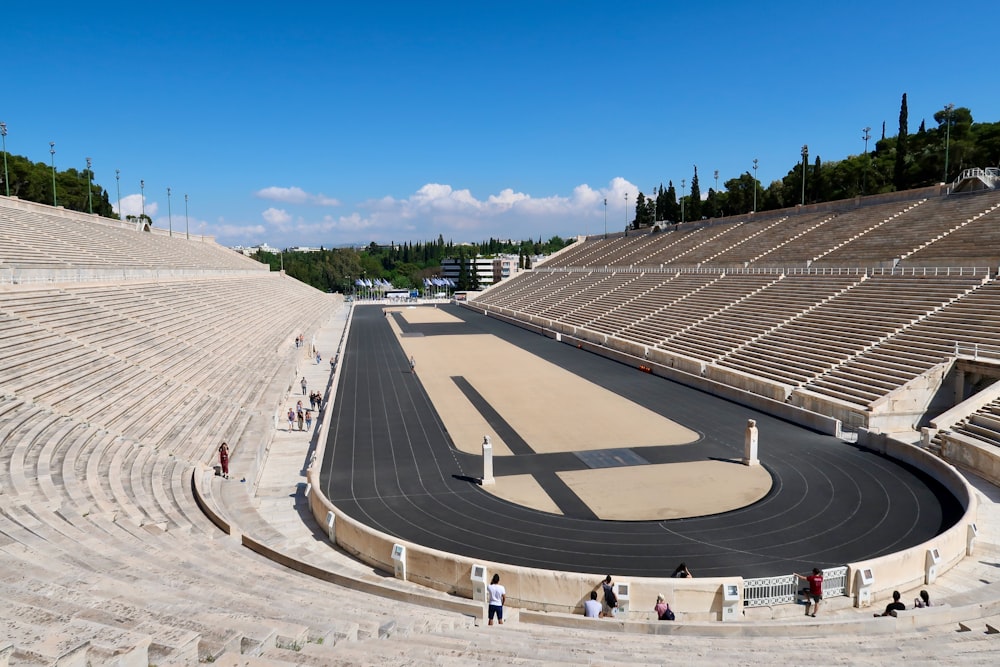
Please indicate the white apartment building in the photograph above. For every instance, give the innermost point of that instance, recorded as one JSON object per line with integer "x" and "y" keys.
{"x": 490, "y": 270}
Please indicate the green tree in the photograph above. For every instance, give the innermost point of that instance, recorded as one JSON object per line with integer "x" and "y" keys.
{"x": 666, "y": 204}
{"x": 463, "y": 272}
{"x": 899, "y": 171}
{"x": 643, "y": 213}
{"x": 694, "y": 200}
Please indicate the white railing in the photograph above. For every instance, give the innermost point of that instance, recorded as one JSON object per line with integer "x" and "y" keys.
{"x": 989, "y": 175}
{"x": 977, "y": 351}
{"x": 769, "y": 591}
{"x": 956, "y": 271}
{"x": 784, "y": 589}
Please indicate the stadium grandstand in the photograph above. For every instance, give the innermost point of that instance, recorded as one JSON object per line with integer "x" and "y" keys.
{"x": 127, "y": 357}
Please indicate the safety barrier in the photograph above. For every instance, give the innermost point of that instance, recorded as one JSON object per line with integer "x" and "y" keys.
{"x": 783, "y": 589}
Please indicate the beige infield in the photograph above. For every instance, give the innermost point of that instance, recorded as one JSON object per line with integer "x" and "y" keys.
{"x": 554, "y": 410}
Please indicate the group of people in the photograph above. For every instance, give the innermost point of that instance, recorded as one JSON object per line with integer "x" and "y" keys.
{"x": 592, "y": 608}
{"x": 814, "y": 595}
{"x": 301, "y": 416}
{"x": 920, "y": 602}
{"x": 315, "y": 400}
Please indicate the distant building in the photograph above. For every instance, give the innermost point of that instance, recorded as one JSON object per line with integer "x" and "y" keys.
{"x": 483, "y": 266}
{"x": 250, "y": 251}
{"x": 489, "y": 270}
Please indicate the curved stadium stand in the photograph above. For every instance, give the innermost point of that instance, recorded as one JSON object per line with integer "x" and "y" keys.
{"x": 125, "y": 358}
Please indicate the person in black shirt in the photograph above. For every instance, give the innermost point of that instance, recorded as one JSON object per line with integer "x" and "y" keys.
{"x": 893, "y": 607}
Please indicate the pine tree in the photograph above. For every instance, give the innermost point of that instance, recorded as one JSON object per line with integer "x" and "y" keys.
{"x": 640, "y": 211}
{"x": 671, "y": 210}
{"x": 899, "y": 171}
{"x": 816, "y": 182}
{"x": 694, "y": 200}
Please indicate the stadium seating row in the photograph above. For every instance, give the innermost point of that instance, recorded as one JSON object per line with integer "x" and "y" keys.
{"x": 111, "y": 397}
{"x": 939, "y": 231}
{"x": 851, "y": 336}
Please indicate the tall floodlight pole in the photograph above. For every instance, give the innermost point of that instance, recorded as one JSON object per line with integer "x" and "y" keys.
{"x": 187, "y": 235}
{"x": 118, "y": 188}
{"x": 52, "y": 152}
{"x": 864, "y": 179}
{"x": 755, "y": 185}
{"x": 714, "y": 200}
{"x": 90, "y": 198}
{"x": 947, "y": 137}
{"x": 654, "y": 206}
{"x": 605, "y": 217}
{"x": 805, "y": 157}
{"x": 170, "y": 217}
{"x": 626, "y": 212}
{"x": 683, "y": 197}
{"x": 142, "y": 200}
{"x": 6, "y": 177}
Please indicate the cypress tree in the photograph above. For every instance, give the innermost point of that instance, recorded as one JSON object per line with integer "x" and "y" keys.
{"x": 899, "y": 172}
{"x": 694, "y": 201}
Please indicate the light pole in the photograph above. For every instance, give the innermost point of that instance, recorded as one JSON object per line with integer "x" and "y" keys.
{"x": 805, "y": 156}
{"x": 170, "y": 216}
{"x": 187, "y": 234}
{"x": 864, "y": 179}
{"x": 118, "y": 188}
{"x": 683, "y": 197}
{"x": 90, "y": 198}
{"x": 714, "y": 200}
{"x": 605, "y": 217}
{"x": 654, "y": 207}
{"x": 755, "y": 185}
{"x": 947, "y": 137}
{"x": 626, "y": 213}
{"x": 52, "y": 152}
{"x": 6, "y": 178}
{"x": 142, "y": 200}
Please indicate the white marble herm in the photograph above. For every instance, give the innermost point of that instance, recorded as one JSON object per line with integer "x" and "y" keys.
{"x": 487, "y": 461}
{"x": 750, "y": 444}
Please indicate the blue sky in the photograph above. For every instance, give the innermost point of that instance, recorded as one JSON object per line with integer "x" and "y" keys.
{"x": 333, "y": 123}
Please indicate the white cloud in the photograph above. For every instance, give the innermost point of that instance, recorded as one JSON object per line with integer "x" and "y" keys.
{"x": 439, "y": 208}
{"x": 225, "y": 233}
{"x": 276, "y": 216}
{"x": 132, "y": 205}
{"x": 295, "y": 195}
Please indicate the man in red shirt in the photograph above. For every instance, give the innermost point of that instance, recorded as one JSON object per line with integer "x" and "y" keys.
{"x": 815, "y": 595}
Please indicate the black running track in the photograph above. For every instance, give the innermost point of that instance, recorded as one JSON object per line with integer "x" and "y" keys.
{"x": 390, "y": 463}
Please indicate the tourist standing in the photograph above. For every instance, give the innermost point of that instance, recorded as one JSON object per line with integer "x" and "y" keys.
{"x": 497, "y": 595}
{"x": 815, "y": 594}
{"x": 224, "y": 459}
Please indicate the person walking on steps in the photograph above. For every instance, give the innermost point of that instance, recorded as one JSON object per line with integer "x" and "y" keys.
{"x": 304, "y": 385}
{"x": 224, "y": 459}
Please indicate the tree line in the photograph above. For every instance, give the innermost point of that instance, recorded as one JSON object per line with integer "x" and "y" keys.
{"x": 405, "y": 265}
{"x": 902, "y": 162}
{"x": 32, "y": 181}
